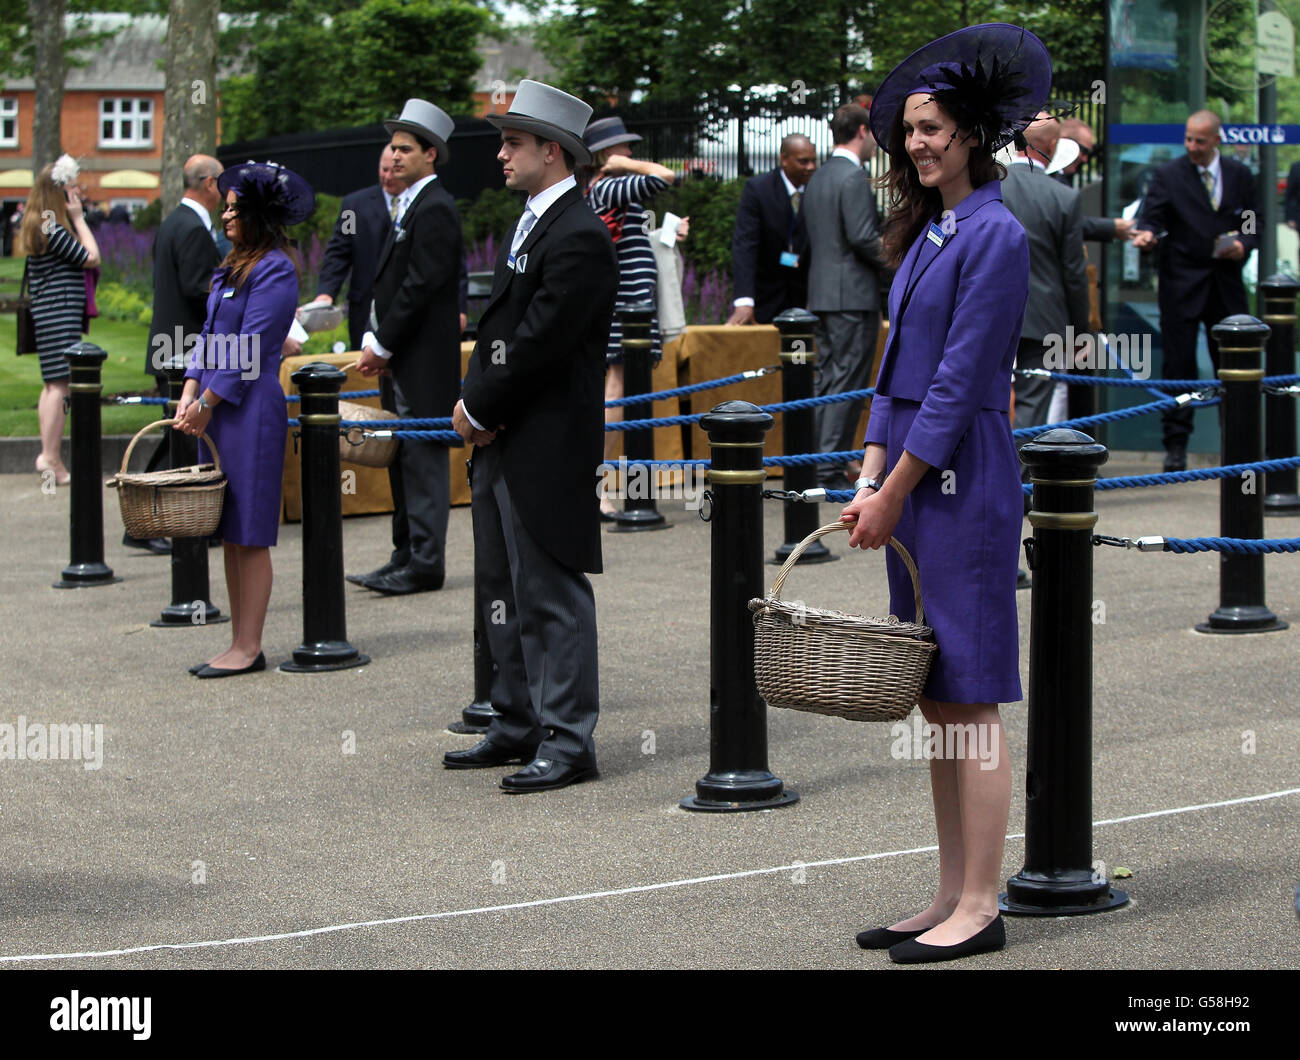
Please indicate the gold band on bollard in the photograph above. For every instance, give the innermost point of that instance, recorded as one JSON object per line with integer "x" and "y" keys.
{"x": 1062, "y": 520}
{"x": 738, "y": 478}
{"x": 319, "y": 419}
{"x": 1064, "y": 481}
{"x": 637, "y": 344}
{"x": 735, "y": 445}
{"x": 1241, "y": 375}
{"x": 1241, "y": 349}
{"x": 86, "y": 388}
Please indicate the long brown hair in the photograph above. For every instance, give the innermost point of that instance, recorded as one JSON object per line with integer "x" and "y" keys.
{"x": 257, "y": 237}
{"x": 47, "y": 198}
{"x": 911, "y": 204}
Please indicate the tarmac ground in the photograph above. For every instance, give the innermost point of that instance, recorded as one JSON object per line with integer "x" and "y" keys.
{"x": 304, "y": 821}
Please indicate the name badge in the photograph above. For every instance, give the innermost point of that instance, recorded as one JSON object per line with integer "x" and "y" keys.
{"x": 789, "y": 259}
{"x": 229, "y": 292}
{"x": 936, "y": 235}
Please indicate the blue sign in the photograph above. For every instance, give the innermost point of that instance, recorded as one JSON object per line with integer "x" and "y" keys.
{"x": 1276, "y": 135}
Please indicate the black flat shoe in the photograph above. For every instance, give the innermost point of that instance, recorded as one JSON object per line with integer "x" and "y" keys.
{"x": 159, "y": 546}
{"x": 484, "y": 754}
{"x": 207, "y": 671}
{"x": 545, "y": 774}
{"x": 992, "y": 937}
{"x": 883, "y": 938}
{"x": 608, "y": 517}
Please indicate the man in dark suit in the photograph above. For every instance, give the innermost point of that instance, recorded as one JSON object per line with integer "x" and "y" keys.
{"x": 769, "y": 245}
{"x": 845, "y": 266}
{"x": 533, "y": 407}
{"x": 184, "y": 257}
{"x": 1200, "y": 210}
{"x": 1291, "y": 204}
{"x": 415, "y": 334}
{"x": 352, "y": 253}
{"x": 1052, "y": 217}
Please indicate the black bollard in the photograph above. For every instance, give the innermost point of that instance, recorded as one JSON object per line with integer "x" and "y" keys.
{"x": 191, "y": 597}
{"x": 475, "y": 719}
{"x": 1277, "y": 307}
{"x": 1241, "y": 500}
{"x": 798, "y": 363}
{"x": 1058, "y": 878}
{"x": 86, "y": 523}
{"x": 639, "y": 486}
{"x": 738, "y": 777}
{"x": 325, "y": 629}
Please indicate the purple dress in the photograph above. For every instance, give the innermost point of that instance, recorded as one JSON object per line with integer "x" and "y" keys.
{"x": 239, "y": 360}
{"x": 956, "y": 305}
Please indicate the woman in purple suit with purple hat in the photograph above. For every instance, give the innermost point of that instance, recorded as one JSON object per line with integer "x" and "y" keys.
{"x": 232, "y": 390}
{"x": 940, "y": 471}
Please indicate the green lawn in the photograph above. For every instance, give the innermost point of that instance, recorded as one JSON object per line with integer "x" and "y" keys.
{"x": 20, "y": 377}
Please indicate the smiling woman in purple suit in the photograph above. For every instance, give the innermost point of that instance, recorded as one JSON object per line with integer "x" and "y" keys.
{"x": 940, "y": 470}
{"x": 232, "y": 390}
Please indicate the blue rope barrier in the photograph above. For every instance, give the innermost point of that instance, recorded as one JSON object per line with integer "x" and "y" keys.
{"x": 782, "y": 406}
{"x": 1110, "y": 417}
{"x": 1240, "y": 545}
{"x": 397, "y": 425}
{"x": 682, "y": 391}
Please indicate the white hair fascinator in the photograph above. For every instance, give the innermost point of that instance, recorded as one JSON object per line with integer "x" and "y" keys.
{"x": 65, "y": 170}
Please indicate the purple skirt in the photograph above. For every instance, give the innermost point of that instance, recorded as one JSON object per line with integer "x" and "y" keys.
{"x": 963, "y": 531}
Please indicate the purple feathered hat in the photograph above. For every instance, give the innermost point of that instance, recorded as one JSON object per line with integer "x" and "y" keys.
{"x": 266, "y": 188}
{"x": 992, "y": 78}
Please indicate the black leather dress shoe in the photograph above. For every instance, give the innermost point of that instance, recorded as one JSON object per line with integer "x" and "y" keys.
{"x": 362, "y": 579}
{"x": 404, "y": 580}
{"x": 484, "y": 754}
{"x": 159, "y": 546}
{"x": 1176, "y": 458}
{"x": 992, "y": 937}
{"x": 883, "y": 938}
{"x": 544, "y": 774}
{"x": 216, "y": 671}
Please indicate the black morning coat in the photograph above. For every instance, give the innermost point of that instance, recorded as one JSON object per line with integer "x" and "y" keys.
{"x": 417, "y": 302}
{"x": 538, "y": 372}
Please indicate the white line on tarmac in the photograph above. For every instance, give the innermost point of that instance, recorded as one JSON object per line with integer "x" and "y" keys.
{"x": 308, "y": 932}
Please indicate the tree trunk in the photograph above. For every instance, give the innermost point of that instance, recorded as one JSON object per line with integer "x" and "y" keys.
{"x": 190, "y": 102}
{"x": 46, "y": 19}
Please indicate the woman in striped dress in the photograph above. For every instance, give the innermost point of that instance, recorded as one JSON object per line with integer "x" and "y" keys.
{"x": 59, "y": 248}
{"x": 617, "y": 185}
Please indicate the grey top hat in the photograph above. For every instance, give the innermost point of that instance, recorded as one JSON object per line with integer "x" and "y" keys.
{"x": 606, "y": 133}
{"x": 421, "y": 118}
{"x": 556, "y": 115}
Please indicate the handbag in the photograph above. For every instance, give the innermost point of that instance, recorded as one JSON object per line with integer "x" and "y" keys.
{"x": 26, "y": 322}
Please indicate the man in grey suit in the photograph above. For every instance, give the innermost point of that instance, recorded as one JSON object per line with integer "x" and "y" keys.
{"x": 1052, "y": 217}
{"x": 839, "y": 212}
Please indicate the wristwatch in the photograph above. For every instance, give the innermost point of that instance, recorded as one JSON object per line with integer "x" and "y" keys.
{"x": 866, "y": 483}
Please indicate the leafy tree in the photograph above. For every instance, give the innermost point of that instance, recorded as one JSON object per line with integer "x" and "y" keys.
{"x": 305, "y": 70}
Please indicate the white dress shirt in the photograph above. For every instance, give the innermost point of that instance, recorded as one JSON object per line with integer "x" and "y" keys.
{"x": 201, "y": 210}
{"x": 404, "y": 199}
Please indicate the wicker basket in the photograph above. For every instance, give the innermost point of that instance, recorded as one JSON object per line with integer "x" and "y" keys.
{"x": 357, "y": 447}
{"x": 829, "y": 662}
{"x": 183, "y": 502}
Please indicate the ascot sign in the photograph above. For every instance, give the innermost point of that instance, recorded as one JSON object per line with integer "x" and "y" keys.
{"x": 1254, "y": 134}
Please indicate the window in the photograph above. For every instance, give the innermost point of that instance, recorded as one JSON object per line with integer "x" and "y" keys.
{"x": 8, "y": 122}
{"x": 126, "y": 123}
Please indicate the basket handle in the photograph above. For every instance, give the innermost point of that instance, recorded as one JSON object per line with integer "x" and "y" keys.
{"x": 831, "y": 528}
{"x": 126, "y": 457}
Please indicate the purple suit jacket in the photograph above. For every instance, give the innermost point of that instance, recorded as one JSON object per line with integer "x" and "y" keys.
{"x": 955, "y": 318}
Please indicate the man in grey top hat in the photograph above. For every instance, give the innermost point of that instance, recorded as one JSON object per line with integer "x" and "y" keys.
{"x": 533, "y": 408}
{"x": 415, "y": 334}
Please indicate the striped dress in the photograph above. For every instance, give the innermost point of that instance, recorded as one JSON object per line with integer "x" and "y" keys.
{"x": 57, "y": 282}
{"x": 637, "y": 273}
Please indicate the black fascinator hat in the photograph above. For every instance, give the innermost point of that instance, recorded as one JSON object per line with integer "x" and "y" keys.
{"x": 277, "y": 195}
{"x": 992, "y": 78}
